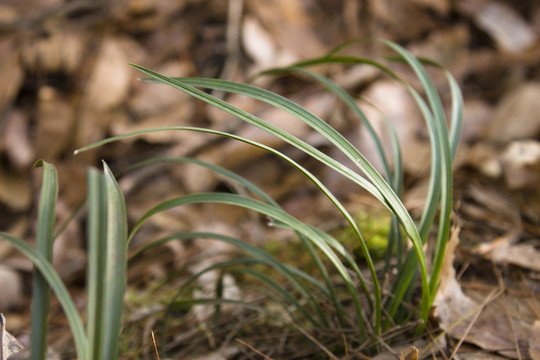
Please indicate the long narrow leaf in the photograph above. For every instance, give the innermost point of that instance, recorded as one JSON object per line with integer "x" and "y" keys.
{"x": 221, "y": 265}
{"x": 258, "y": 254}
{"x": 60, "y": 290}
{"x": 432, "y": 197}
{"x": 115, "y": 267}
{"x": 217, "y": 169}
{"x": 382, "y": 190}
{"x": 441, "y": 160}
{"x": 349, "y": 101}
{"x": 316, "y": 181}
{"x": 444, "y": 161}
{"x": 97, "y": 233}
{"x": 390, "y": 198}
{"x": 278, "y": 214}
{"x": 336, "y": 245}
{"x": 44, "y": 244}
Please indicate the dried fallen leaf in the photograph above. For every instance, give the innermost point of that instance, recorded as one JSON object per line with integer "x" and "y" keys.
{"x": 521, "y": 164}
{"x": 281, "y": 18}
{"x": 440, "y": 6}
{"x": 61, "y": 51}
{"x": 9, "y": 345}
{"x": 503, "y": 250}
{"x": 448, "y": 47}
{"x": 476, "y": 117}
{"x": 16, "y": 139}
{"x": 485, "y": 324}
{"x": 55, "y": 123}
{"x": 261, "y": 47}
{"x": 410, "y": 353}
{"x": 516, "y": 116}
{"x": 10, "y": 288}
{"x": 534, "y": 341}
{"x": 394, "y": 17}
{"x": 15, "y": 190}
{"x": 420, "y": 349}
{"x": 506, "y": 27}
{"x": 110, "y": 79}
{"x": 11, "y": 74}
{"x": 404, "y": 116}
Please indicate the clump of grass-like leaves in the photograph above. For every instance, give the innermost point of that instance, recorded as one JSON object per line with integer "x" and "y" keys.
{"x": 107, "y": 233}
{"x": 311, "y": 302}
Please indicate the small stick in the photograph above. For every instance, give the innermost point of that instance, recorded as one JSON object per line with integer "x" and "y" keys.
{"x": 154, "y": 341}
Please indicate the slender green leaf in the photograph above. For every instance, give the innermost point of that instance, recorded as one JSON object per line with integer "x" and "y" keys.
{"x": 217, "y": 169}
{"x": 115, "y": 267}
{"x": 97, "y": 233}
{"x": 382, "y": 190}
{"x": 266, "y": 209}
{"x": 350, "y": 102}
{"x": 44, "y": 244}
{"x": 317, "y": 182}
{"x": 225, "y": 264}
{"x": 56, "y": 284}
{"x": 443, "y": 161}
{"x": 440, "y": 182}
{"x": 258, "y": 254}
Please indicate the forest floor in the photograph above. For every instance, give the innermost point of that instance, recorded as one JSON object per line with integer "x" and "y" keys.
{"x": 65, "y": 82}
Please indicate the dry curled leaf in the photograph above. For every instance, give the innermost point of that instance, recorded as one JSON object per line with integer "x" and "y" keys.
{"x": 488, "y": 324}
{"x": 508, "y": 29}
{"x": 9, "y": 345}
{"x": 10, "y": 288}
{"x": 410, "y": 353}
{"x": 534, "y": 341}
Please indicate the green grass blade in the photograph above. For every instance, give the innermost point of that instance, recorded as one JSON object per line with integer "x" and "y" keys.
{"x": 396, "y": 176}
{"x": 56, "y": 284}
{"x": 341, "y": 208}
{"x": 434, "y": 192}
{"x": 456, "y": 117}
{"x": 390, "y": 198}
{"x": 395, "y": 240}
{"x": 313, "y": 254}
{"x": 187, "y": 86}
{"x": 115, "y": 267}
{"x": 44, "y": 244}
{"x": 221, "y": 265}
{"x": 289, "y": 299}
{"x": 445, "y": 217}
{"x": 444, "y": 162}
{"x": 330, "y": 284}
{"x": 266, "y": 209}
{"x": 350, "y": 102}
{"x": 441, "y": 177}
{"x": 256, "y": 253}
{"x": 217, "y": 169}
{"x": 433, "y": 195}
{"x": 97, "y": 232}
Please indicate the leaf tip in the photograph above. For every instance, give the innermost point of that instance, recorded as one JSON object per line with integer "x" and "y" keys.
{"x": 39, "y": 163}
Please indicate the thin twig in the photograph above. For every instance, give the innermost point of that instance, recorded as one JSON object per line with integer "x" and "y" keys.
{"x": 315, "y": 341}
{"x": 253, "y": 349}
{"x": 155, "y": 346}
{"x": 495, "y": 293}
